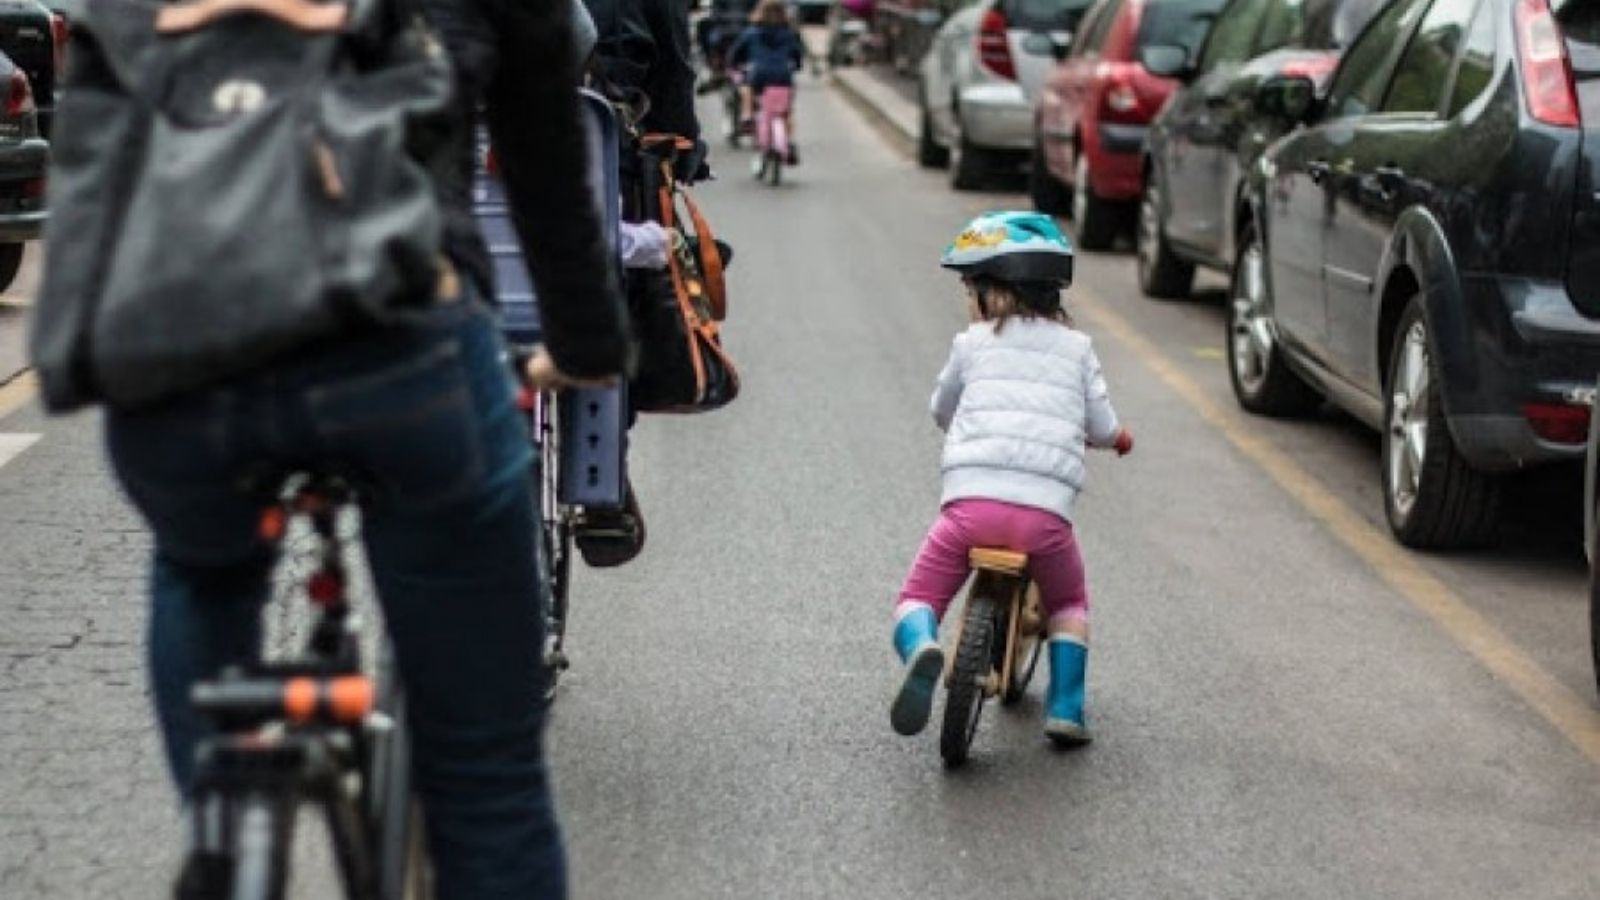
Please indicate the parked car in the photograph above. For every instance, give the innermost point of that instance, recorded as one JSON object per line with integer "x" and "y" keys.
{"x": 1209, "y": 135}
{"x": 1425, "y": 251}
{"x": 905, "y": 29}
{"x": 1095, "y": 108}
{"x": 979, "y": 79}
{"x": 24, "y": 158}
{"x": 35, "y": 38}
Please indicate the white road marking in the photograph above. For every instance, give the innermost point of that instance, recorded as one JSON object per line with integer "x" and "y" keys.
{"x": 12, "y": 445}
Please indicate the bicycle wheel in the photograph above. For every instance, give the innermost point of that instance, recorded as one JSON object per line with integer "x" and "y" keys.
{"x": 394, "y": 818}
{"x": 1027, "y": 648}
{"x": 555, "y": 544}
{"x": 263, "y": 832}
{"x": 963, "y": 705}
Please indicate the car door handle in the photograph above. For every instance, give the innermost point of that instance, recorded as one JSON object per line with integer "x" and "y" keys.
{"x": 1319, "y": 170}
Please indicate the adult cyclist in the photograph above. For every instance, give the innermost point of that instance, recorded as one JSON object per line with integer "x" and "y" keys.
{"x": 421, "y": 419}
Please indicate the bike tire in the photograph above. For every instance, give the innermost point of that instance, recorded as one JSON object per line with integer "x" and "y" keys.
{"x": 263, "y": 832}
{"x": 964, "y": 694}
{"x": 555, "y": 547}
{"x": 394, "y": 817}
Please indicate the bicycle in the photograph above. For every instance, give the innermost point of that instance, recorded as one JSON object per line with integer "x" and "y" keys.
{"x": 1001, "y": 602}
{"x": 317, "y": 727}
{"x": 772, "y": 134}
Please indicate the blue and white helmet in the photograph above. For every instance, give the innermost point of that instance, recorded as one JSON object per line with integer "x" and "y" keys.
{"x": 1012, "y": 246}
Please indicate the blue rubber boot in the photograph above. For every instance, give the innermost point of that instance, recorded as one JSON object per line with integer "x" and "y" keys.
{"x": 1063, "y": 704}
{"x": 916, "y": 639}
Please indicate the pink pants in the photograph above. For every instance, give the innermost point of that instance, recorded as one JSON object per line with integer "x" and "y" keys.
{"x": 1053, "y": 558}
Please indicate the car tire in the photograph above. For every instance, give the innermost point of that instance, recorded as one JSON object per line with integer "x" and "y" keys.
{"x": 930, "y": 155}
{"x": 10, "y": 263}
{"x": 1048, "y": 195}
{"x": 1163, "y": 274}
{"x": 1433, "y": 497}
{"x": 1094, "y": 220}
{"x": 1262, "y": 381}
{"x": 969, "y": 165}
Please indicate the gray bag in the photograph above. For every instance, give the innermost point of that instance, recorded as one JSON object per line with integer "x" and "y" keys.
{"x": 224, "y": 193}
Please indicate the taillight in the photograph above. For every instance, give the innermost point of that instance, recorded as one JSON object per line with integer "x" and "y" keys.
{"x": 59, "y": 34}
{"x": 19, "y": 99}
{"x": 1546, "y": 73}
{"x": 1120, "y": 98}
{"x": 1558, "y": 423}
{"x": 994, "y": 47}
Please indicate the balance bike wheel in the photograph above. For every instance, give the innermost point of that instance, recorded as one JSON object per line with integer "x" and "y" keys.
{"x": 964, "y": 686}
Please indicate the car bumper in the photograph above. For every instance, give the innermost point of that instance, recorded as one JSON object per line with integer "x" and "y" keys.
{"x": 997, "y": 116}
{"x": 1530, "y": 346}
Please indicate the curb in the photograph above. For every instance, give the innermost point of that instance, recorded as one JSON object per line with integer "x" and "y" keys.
{"x": 883, "y": 109}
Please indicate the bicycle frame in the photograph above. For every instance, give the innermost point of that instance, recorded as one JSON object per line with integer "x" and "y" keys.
{"x": 299, "y": 729}
{"x": 772, "y": 120}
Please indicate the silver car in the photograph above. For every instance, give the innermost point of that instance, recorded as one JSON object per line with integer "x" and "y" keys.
{"x": 977, "y": 84}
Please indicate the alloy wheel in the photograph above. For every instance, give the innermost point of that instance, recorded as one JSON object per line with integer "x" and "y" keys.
{"x": 1408, "y": 419}
{"x": 1145, "y": 245}
{"x": 1253, "y": 342}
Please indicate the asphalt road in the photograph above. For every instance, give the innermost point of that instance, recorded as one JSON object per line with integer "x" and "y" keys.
{"x": 1285, "y": 704}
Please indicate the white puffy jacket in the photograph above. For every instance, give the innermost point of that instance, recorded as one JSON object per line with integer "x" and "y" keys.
{"x": 1019, "y": 408}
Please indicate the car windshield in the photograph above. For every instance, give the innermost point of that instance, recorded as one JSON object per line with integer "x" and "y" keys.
{"x": 1045, "y": 15}
{"x": 1179, "y": 23}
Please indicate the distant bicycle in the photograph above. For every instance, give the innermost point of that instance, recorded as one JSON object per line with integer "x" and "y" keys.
{"x": 315, "y": 729}
{"x": 772, "y": 134}
{"x": 1002, "y": 631}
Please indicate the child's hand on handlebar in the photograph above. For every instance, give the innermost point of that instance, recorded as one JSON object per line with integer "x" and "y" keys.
{"x": 1124, "y": 442}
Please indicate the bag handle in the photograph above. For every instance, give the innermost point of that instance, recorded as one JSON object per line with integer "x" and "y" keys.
{"x": 305, "y": 15}
{"x": 710, "y": 261}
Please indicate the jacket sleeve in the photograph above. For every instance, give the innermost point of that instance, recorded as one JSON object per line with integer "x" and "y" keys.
{"x": 535, "y": 123}
{"x": 947, "y": 391}
{"x": 671, "y": 79}
{"x": 1100, "y": 420}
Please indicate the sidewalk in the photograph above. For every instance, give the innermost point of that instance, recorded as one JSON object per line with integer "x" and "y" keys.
{"x": 887, "y": 99}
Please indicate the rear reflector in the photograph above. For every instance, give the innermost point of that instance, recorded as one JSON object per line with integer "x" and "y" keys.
{"x": 1558, "y": 423}
{"x": 1546, "y": 72}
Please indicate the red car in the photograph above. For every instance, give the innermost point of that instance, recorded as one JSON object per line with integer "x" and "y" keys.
{"x": 1092, "y": 115}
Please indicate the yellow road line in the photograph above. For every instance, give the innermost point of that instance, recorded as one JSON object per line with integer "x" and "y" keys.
{"x": 1571, "y": 714}
{"x": 18, "y": 392}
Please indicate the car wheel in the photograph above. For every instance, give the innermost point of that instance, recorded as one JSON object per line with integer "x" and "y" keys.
{"x": 1262, "y": 381}
{"x": 1162, "y": 273}
{"x": 969, "y": 165}
{"x": 1048, "y": 194}
{"x": 929, "y": 154}
{"x": 1095, "y": 220}
{"x": 1433, "y": 497}
{"x": 10, "y": 263}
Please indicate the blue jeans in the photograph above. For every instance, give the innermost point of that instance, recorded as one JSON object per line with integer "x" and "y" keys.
{"x": 422, "y": 421}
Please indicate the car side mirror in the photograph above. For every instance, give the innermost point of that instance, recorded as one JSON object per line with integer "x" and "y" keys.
{"x": 1287, "y": 98}
{"x": 1166, "y": 60}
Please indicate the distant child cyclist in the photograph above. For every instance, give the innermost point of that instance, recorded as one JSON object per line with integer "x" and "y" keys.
{"x": 769, "y": 52}
{"x": 1020, "y": 398}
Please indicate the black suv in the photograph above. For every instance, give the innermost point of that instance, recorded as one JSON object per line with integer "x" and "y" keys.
{"x": 1206, "y": 138}
{"x": 1425, "y": 251}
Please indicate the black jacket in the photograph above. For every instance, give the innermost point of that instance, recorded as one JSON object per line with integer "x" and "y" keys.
{"x": 644, "y": 46}
{"x": 516, "y": 62}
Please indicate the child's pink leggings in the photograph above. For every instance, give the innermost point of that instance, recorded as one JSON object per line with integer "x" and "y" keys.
{"x": 1052, "y": 548}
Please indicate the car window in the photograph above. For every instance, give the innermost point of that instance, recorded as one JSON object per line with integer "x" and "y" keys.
{"x": 1283, "y": 25}
{"x": 1177, "y": 23}
{"x": 1044, "y": 15}
{"x": 1420, "y": 78}
{"x": 1477, "y": 60}
{"x": 1364, "y": 71}
{"x": 1232, "y": 34}
{"x": 1102, "y": 26}
{"x": 1580, "y": 23}
{"x": 1086, "y": 26}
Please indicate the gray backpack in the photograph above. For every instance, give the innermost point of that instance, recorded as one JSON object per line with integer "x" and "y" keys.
{"x": 233, "y": 179}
